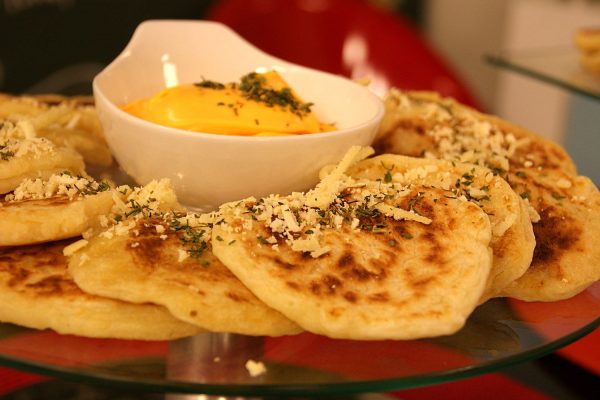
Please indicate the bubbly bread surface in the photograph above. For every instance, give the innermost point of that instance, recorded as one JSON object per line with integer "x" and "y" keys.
{"x": 512, "y": 240}
{"x": 153, "y": 263}
{"x": 370, "y": 277}
{"x": 37, "y": 291}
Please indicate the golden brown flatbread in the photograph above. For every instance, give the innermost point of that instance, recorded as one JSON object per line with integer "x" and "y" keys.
{"x": 379, "y": 262}
{"x": 34, "y": 158}
{"x": 567, "y": 254}
{"x": 36, "y": 291}
{"x": 540, "y": 171}
{"x": 60, "y": 207}
{"x": 65, "y": 121}
{"x": 166, "y": 260}
{"x": 512, "y": 234}
{"x": 423, "y": 124}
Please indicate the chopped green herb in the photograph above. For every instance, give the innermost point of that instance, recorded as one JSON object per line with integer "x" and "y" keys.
{"x": 392, "y": 242}
{"x": 379, "y": 228}
{"x": 412, "y": 202}
{"x": 406, "y": 235}
{"x": 521, "y": 174}
{"x": 253, "y": 87}
{"x": 387, "y": 178}
{"x": 557, "y": 196}
{"x": 5, "y": 154}
{"x": 261, "y": 240}
{"x": 210, "y": 85}
{"x": 497, "y": 171}
{"x": 192, "y": 237}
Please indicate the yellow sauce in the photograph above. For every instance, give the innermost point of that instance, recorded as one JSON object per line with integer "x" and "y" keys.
{"x": 261, "y": 105}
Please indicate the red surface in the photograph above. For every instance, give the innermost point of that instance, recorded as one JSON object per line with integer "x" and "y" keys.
{"x": 370, "y": 360}
{"x": 472, "y": 388}
{"x": 348, "y": 37}
{"x": 11, "y": 380}
{"x": 70, "y": 351}
{"x": 490, "y": 386}
{"x": 585, "y": 352}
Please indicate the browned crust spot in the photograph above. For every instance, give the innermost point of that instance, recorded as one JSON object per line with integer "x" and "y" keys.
{"x": 351, "y": 296}
{"x": 236, "y": 297}
{"x": 380, "y": 297}
{"x": 556, "y": 234}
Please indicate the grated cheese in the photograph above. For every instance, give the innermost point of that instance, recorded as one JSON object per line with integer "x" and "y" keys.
{"x": 299, "y": 221}
{"x": 20, "y": 140}
{"x": 563, "y": 183}
{"x": 182, "y": 255}
{"x": 399, "y": 213}
{"x": 74, "y": 247}
{"x": 326, "y": 190}
{"x": 61, "y": 184}
{"x": 255, "y": 368}
{"x": 455, "y": 130}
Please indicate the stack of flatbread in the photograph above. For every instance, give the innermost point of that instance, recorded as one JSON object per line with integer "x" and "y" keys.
{"x": 403, "y": 245}
{"x": 137, "y": 241}
{"x": 47, "y": 201}
{"x": 564, "y": 207}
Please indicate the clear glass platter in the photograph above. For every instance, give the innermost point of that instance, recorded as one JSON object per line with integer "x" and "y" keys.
{"x": 500, "y": 333}
{"x": 556, "y": 66}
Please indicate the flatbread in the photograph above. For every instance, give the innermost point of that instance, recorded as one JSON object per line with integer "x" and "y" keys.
{"x": 355, "y": 273}
{"x": 423, "y": 124}
{"x": 66, "y": 205}
{"x": 152, "y": 263}
{"x": 567, "y": 256}
{"x": 36, "y": 291}
{"x": 512, "y": 234}
{"x": 540, "y": 171}
{"x": 32, "y": 165}
{"x": 66, "y": 121}
{"x": 36, "y": 221}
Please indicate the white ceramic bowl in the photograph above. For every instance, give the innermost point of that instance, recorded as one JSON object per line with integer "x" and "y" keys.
{"x": 209, "y": 169}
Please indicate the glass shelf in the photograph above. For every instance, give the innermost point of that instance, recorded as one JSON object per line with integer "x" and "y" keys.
{"x": 500, "y": 333}
{"x": 556, "y": 66}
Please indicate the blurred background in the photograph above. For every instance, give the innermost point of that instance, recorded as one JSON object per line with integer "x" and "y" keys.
{"x": 58, "y": 46}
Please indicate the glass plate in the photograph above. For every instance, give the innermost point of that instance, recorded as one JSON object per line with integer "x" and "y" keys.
{"x": 500, "y": 333}
{"x": 557, "y": 66}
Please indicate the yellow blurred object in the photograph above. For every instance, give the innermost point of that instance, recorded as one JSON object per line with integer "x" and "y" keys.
{"x": 260, "y": 105}
{"x": 587, "y": 41}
